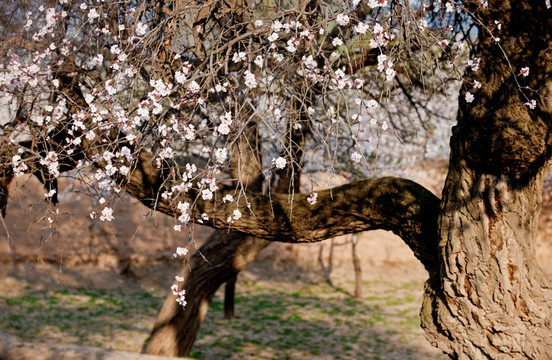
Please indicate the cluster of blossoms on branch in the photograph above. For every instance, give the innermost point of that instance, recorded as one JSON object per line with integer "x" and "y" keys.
{"x": 95, "y": 84}
{"x": 147, "y": 113}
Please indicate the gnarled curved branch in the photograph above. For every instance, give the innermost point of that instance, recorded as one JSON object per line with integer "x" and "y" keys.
{"x": 399, "y": 205}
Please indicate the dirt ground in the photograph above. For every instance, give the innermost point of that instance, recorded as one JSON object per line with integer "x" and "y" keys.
{"x": 135, "y": 251}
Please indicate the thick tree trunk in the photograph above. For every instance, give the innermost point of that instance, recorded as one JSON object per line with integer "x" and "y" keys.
{"x": 490, "y": 299}
{"x": 493, "y": 301}
{"x": 219, "y": 260}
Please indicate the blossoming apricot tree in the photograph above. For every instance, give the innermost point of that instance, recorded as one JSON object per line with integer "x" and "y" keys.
{"x": 196, "y": 107}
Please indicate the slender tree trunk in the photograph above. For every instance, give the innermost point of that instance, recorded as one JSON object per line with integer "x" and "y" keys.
{"x": 218, "y": 261}
{"x": 357, "y": 267}
{"x": 229, "y": 297}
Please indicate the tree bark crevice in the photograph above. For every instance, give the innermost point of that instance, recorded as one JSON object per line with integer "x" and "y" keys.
{"x": 491, "y": 298}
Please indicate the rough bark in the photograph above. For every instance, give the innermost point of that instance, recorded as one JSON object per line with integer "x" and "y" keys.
{"x": 490, "y": 299}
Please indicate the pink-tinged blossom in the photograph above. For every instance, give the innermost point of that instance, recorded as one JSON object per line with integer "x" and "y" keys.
{"x": 380, "y": 37}
{"x": 280, "y": 162}
{"x": 107, "y": 214}
{"x": 179, "y": 77}
{"x": 306, "y": 34}
{"x": 337, "y": 42}
{"x": 381, "y": 62}
{"x": 292, "y": 45}
{"x": 273, "y": 37}
{"x": 174, "y": 289}
{"x": 93, "y": 14}
{"x": 278, "y": 57}
{"x": 227, "y": 198}
{"x": 250, "y": 80}
{"x": 469, "y": 97}
{"x": 157, "y": 108}
{"x": 258, "y": 23}
{"x": 524, "y": 71}
{"x": 98, "y": 59}
{"x": 189, "y": 131}
{"x": 109, "y": 87}
{"x": 236, "y": 214}
{"x": 239, "y": 57}
{"x": 19, "y": 167}
{"x": 276, "y": 25}
{"x": 183, "y": 207}
{"x": 178, "y": 228}
{"x": 532, "y": 104}
{"x": 166, "y": 153}
{"x": 377, "y": 3}
{"x": 476, "y": 84}
{"x": 390, "y": 74}
{"x": 361, "y": 28}
{"x": 342, "y": 19}
{"x": 226, "y": 121}
{"x": 193, "y": 87}
{"x": 181, "y": 300}
{"x": 51, "y": 161}
{"x": 258, "y": 61}
{"x": 206, "y": 194}
{"x": 220, "y": 155}
{"x": 312, "y": 198}
{"x": 309, "y": 62}
{"x": 356, "y": 157}
{"x": 141, "y": 29}
{"x": 371, "y": 104}
{"x": 180, "y": 251}
{"x": 88, "y": 98}
{"x": 474, "y": 64}
{"x": 115, "y": 50}
{"x": 184, "y": 218}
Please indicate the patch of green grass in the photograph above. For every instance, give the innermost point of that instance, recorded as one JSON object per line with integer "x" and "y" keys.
{"x": 296, "y": 324}
{"x": 81, "y": 313}
{"x": 318, "y": 320}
